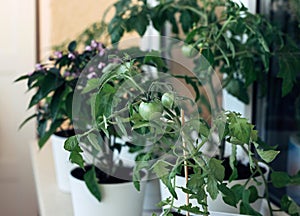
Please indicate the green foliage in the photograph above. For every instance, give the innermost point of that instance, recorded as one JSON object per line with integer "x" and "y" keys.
{"x": 54, "y": 84}
{"x": 91, "y": 182}
{"x": 72, "y": 145}
{"x": 241, "y": 42}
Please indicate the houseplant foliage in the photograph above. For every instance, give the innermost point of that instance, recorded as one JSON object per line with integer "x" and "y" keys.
{"x": 238, "y": 42}
{"x": 54, "y": 82}
{"x": 151, "y": 108}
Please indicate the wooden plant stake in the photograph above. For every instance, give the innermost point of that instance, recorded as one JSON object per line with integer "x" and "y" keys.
{"x": 186, "y": 172}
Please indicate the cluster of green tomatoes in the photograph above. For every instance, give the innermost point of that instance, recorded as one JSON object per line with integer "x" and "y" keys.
{"x": 153, "y": 109}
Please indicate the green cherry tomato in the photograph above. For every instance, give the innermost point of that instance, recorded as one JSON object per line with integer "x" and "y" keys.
{"x": 150, "y": 110}
{"x": 167, "y": 100}
{"x": 189, "y": 51}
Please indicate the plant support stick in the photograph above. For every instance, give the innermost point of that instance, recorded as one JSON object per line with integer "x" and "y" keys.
{"x": 186, "y": 173}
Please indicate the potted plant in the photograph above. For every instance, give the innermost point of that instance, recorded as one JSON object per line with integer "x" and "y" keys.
{"x": 54, "y": 82}
{"x": 153, "y": 109}
{"x": 103, "y": 173}
{"x": 235, "y": 42}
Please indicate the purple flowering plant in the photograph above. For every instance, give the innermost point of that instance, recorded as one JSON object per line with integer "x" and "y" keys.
{"x": 54, "y": 83}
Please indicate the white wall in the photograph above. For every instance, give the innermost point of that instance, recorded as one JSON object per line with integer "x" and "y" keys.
{"x": 17, "y": 56}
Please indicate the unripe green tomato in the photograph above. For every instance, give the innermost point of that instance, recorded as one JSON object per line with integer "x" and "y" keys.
{"x": 167, "y": 100}
{"x": 150, "y": 110}
{"x": 189, "y": 51}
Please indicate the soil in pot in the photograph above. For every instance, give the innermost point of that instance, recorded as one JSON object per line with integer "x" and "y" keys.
{"x": 243, "y": 170}
{"x": 104, "y": 178}
{"x": 65, "y": 133}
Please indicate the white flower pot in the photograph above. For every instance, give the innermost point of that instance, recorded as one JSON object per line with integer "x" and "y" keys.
{"x": 218, "y": 205}
{"x": 152, "y": 188}
{"x": 152, "y": 195}
{"x": 62, "y": 164}
{"x": 117, "y": 199}
{"x": 215, "y": 214}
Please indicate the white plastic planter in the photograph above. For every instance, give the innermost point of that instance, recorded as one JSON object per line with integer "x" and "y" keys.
{"x": 62, "y": 164}
{"x": 216, "y": 214}
{"x": 117, "y": 199}
{"x": 152, "y": 195}
{"x": 217, "y": 206}
{"x": 152, "y": 187}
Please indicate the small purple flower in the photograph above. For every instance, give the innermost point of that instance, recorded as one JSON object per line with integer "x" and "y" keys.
{"x": 91, "y": 75}
{"x": 91, "y": 69}
{"x": 38, "y": 67}
{"x": 101, "y": 49}
{"x": 101, "y": 65}
{"x": 58, "y": 54}
{"x": 71, "y": 56}
{"x": 67, "y": 74}
{"x": 88, "y": 48}
{"x": 115, "y": 60}
{"x": 94, "y": 44}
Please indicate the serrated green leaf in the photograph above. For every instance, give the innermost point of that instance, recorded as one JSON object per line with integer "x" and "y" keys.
{"x": 288, "y": 68}
{"x": 232, "y": 163}
{"x": 228, "y": 195}
{"x": 212, "y": 187}
{"x": 71, "y": 143}
{"x": 268, "y": 156}
{"x": 209, "y": 56}
{"x": 160, "y": 168}
{"x": 238, "y": 191}
{"x": 240, "y": 128}
{"x": 247, "y": 69}
{"x": 245, "y": 207}
{"x": 186, "y": 21}
{"x": 280, "y": 179}
{"x": 91, "y": 85}
{"x": 76, "y": 158}
{"x": 91, "y": 182}
{"x": 94, "y": 141}
{"x": 196, "y": 182}
{"x": 217, "y": 169}
{"x": 253, "y": 194}
{"x": 236, "y": 88}
{"x": 224, "y": 54}
{"x": 191, "y": 209}
{"x": 290, "y": 206}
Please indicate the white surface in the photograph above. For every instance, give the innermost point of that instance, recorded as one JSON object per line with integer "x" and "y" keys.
{"x": 117, "y": 199}
{"x": 17, "y": 57}
{"x": 51, "y": 200}
{"x": 62, "y": 164}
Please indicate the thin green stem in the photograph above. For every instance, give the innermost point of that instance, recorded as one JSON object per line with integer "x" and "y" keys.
{"x": 223, "y": 28}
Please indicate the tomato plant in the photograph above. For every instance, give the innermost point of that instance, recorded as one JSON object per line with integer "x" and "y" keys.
{"x": 150, "y": 110}
{"x": 189, "y": 51}
{"x": 167, "y": 100}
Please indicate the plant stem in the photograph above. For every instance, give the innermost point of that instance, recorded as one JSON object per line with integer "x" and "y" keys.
{"x": 186, "y": 172}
